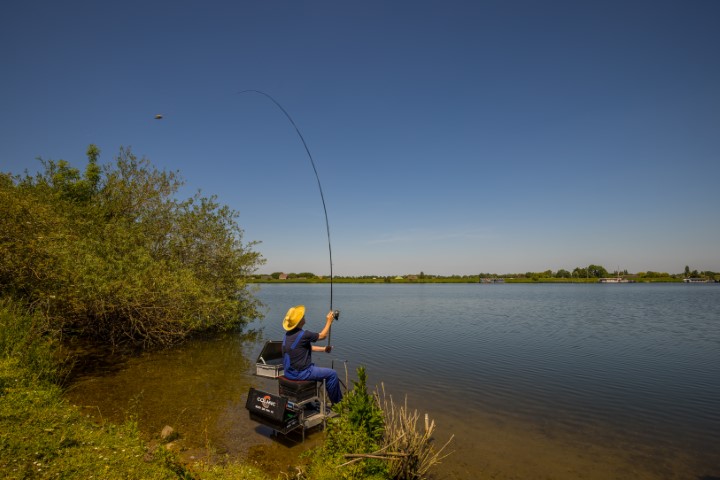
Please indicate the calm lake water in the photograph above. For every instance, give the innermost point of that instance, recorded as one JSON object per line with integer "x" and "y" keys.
{"x": 534, "y": 381}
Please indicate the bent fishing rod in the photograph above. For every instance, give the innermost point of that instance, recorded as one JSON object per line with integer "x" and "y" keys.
{"x": 336, "y": 313}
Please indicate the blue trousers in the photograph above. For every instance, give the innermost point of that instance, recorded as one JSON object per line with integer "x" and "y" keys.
{"x": 332, "y": 383}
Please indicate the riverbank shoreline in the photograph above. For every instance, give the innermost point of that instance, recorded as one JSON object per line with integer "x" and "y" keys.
{"x": 43, "y": 435}
{"x": 450, "y": 280}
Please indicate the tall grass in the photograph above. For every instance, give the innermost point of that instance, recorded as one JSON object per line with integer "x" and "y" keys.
{"x": 27, "y": 343}
{"x": 412, "y": 445}
{"x": 373, "y": 437}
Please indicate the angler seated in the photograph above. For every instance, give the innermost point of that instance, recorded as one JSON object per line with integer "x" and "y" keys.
{"x": 297, "y": 348}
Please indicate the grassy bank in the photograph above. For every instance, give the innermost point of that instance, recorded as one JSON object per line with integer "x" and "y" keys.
{"x": 44, "y": 437}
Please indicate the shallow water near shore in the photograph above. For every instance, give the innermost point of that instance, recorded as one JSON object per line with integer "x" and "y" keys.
{"x": 534, "y": 381}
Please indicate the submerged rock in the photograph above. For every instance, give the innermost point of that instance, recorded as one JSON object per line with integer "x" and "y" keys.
{"x": 168, "y": 433}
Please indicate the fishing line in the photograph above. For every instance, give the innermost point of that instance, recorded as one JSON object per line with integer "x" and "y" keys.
{"x": 317, "y": 177}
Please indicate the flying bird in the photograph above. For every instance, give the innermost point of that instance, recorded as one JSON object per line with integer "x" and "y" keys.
{"x": 158, "y": 116}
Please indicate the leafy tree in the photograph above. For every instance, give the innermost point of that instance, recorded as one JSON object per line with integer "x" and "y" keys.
{"x": 597, "y": 271}
{"x": 112, "y": 253}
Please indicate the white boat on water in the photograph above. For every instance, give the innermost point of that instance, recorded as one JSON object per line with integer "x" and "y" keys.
{"x": 613, "y": 280}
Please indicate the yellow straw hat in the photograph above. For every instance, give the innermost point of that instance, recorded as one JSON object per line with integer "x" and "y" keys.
{"x": 293, "y": 317}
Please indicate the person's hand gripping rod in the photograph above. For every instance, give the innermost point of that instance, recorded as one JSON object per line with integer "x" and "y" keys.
{"x": 332, "y": 315}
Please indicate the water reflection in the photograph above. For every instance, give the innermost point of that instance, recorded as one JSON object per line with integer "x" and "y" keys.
{"x": 197, "y": 388}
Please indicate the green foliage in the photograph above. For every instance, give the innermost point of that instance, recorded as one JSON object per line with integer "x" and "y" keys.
{"x": 27, "y": 347}
{"x": 113, "y": 254}
{"x": 361, "y": 410}
{"x": 562, "y": 273}
{"x": 592, "y": 271}
{"x": 650, "y": 274}
{"x": 383, "y": 440}
{"x": 108, "y": 253}
{"x": 597, "y": 271}
{"x": 357, "y": 430}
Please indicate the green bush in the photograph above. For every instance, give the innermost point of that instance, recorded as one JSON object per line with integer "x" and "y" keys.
{"x": 112, "y": 253}
{"x": 375, "y": 438}
{"x": 357, "y": 430}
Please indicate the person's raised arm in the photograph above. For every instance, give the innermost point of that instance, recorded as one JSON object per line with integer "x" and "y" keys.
{"x": 324, "y": 333}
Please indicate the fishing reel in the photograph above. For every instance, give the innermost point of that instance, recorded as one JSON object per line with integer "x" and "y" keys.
{"x": 336, "y": 315}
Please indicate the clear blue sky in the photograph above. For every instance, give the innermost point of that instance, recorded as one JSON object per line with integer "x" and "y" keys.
{"x": 450, "y": 137}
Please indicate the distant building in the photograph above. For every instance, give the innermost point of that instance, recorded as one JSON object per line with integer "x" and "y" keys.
{"x": 283, "y": 276}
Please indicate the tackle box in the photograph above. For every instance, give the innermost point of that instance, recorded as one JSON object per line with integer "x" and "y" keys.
{"x": 272, "y": 411}
{"x": 270, "y": 362}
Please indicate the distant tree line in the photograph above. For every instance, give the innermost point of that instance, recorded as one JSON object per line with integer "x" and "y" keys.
{"x": 308, "y": 275}
{"x": 590, "y": 272}
{"x": 111, "y": 253}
